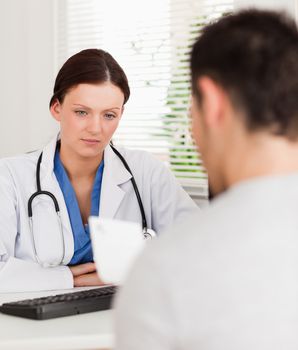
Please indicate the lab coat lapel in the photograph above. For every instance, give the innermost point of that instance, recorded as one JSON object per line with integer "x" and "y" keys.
{"x": 114, "y": 176}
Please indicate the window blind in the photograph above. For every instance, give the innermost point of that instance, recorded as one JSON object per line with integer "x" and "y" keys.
{"x": 151, "y": 40}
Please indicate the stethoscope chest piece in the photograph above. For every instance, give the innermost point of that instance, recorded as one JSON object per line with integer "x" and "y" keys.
{"x": 149, "y": 234}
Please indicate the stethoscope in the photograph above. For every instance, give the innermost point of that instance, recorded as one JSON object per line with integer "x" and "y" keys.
{"x": 147, "y": 233}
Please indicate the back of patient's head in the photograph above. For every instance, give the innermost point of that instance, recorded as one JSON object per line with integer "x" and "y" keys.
{"x": 253, "y": 56}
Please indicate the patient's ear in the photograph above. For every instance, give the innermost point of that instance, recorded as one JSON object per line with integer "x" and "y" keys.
{"x": 213, "y": 101}
{"x": 55, "y": 110}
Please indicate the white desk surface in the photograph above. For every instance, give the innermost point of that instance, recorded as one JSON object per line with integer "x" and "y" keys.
{"x": 87, "y": 331}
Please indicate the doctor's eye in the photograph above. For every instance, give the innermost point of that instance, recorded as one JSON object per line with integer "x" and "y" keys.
{"x": 81, "y": 113}
{"x": 110, "y": 116}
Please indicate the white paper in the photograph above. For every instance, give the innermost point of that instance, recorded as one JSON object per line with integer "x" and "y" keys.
{"x": 116, "y": 244}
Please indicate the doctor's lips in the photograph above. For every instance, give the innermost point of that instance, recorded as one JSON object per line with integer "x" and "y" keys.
{"x": 91, "y": 141}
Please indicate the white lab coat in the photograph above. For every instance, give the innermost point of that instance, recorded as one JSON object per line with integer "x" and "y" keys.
{"x": 163, "y": 198}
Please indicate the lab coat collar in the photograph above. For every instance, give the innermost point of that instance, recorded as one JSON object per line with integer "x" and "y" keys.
{"x": 114, "y": 175}
{"x": 114, "y": 168}
{"x": 48, "y": 155}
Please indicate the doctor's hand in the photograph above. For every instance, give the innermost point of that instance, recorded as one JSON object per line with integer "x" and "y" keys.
{"x": 85, "y": 275}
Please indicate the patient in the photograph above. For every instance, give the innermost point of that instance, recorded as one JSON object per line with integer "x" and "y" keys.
{"x": 232, "y": 281}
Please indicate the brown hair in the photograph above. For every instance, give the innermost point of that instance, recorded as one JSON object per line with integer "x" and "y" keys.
{"x": 89, "y": 66}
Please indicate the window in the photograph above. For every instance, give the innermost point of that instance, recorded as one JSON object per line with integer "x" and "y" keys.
{"x": 151, "y": 40}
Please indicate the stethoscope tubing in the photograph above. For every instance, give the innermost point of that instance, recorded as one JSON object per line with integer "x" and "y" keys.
{"x": 135, "y": 187}
{"x": 39, "y": 192}
{"x": 30, "y": 215}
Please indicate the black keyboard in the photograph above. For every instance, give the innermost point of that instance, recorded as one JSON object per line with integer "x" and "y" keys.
{"x": 62, "y": 304}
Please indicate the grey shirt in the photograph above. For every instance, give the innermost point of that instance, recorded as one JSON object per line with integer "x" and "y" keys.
{"x": 225, "y": 279}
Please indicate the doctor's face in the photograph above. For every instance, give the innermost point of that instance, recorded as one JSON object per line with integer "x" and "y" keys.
{"x": 88, "y": 116}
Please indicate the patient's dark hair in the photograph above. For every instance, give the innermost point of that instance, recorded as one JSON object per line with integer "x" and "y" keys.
{"x": 253, "y": 55}
{"x": 91, "y": 66}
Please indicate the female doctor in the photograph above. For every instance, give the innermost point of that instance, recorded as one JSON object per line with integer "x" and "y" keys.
{"x": 47, "y": 196}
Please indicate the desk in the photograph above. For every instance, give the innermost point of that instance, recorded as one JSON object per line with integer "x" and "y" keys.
{"x": 87, "y": 331}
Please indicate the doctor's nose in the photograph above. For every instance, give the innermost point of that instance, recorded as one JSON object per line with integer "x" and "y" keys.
{"x": 95, "y": 125}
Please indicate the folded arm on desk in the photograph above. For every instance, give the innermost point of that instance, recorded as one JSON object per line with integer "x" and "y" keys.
{"x": 18, "y": 275}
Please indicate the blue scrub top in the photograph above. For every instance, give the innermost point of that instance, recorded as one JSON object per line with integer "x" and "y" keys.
{"x": 81, "y": 234}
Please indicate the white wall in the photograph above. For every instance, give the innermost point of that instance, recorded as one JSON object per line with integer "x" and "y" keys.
{"x": 27, "y": 74}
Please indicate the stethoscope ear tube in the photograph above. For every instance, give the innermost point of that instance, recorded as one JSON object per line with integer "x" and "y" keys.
{"x": 148, "y": 233}
{"x": 30, "y": 215}
{"x": 144, "y": 221}
{"x": 38, "y": 193}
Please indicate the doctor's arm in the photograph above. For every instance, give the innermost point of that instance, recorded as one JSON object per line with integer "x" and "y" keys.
{"x": 18, "y": 274}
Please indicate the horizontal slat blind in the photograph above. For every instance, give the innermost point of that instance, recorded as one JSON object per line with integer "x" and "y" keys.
{"x": 151, "y": 40}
